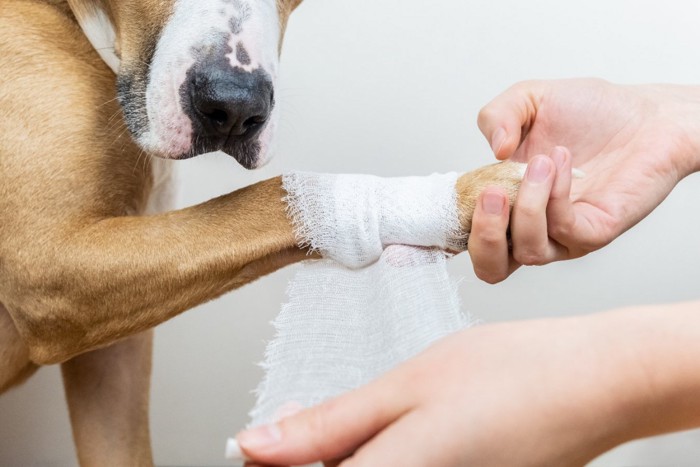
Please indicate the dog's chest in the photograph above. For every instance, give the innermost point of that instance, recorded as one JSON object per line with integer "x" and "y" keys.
{"x": 164, "y": 191}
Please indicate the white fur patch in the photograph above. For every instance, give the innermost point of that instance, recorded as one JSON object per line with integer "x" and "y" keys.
{"x": 164, "y": 191}
{"x": 100, "y": 32}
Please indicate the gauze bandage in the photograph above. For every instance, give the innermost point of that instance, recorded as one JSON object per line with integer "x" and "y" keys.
{"x": 367, "y": 308}
{"x": 381, "y": 295}
{"x": 352, "y": 218}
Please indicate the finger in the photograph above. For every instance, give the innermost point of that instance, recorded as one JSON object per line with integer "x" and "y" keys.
{"x": 560, "y": 209}
{"x": 504, "y": 120}
{"x": 332, "y": 430}
{"x": 531, "y": 242}
{"x": 578, "y": 227}
{"x": 488, "y": 240}
{"x": 410, "y": 442}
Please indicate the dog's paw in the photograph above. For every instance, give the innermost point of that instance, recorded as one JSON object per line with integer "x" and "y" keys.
{"x": 507, "y": 175}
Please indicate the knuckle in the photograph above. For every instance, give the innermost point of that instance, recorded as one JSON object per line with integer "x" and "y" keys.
{"x": 560, "y": 231}
{"x": 529, "y": 257}
{"x": 593, "y": 244}
{"x": 486, "y": 115}
{"x": 528, "y": 210}
{"x": 519, "y": 86}
{"x": 490, "y": 238}
{"x": 525, "y": 85}
{"x": 490, "y": 277}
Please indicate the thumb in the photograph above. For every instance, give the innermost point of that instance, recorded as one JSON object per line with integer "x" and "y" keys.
{"x": 503, "y": 120}
{"x": 332, "y": 430}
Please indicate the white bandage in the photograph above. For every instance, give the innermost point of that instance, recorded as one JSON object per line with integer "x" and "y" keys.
{"x": 353, "y": 218}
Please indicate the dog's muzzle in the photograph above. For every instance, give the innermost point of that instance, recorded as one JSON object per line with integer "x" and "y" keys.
{"x": 228, "y": 107}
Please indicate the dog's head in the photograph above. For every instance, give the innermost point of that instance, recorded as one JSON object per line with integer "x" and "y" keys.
{"x": 194, "y": 76}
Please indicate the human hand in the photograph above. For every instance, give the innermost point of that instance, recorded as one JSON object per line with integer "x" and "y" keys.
{"x": 522, "y": 394}
{"x": 634, "y": 143}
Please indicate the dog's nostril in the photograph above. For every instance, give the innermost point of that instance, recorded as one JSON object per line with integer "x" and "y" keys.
{"x": 217, "y": 116}
{"x": 252, "y": 121}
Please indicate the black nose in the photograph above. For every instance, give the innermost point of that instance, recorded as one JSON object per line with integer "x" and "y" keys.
{"x": 230, "y": 104}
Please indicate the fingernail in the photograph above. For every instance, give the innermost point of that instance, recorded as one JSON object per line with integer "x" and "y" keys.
{"x": 538, "y": 170}
{"x": 559, "y": 156}
{"x": 233, "y": 451}
{"x": 493, "y": 203}
{"x": 260, "y": 437}
{"x": 499, "y": 139}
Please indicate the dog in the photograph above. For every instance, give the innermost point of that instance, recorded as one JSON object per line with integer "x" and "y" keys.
{"x": 92, "y": 256}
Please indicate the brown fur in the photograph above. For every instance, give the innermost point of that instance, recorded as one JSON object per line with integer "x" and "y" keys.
{"x": 82, "y": 279}
{"x": 15, "y": 365}
{"x": 506, "y": 175}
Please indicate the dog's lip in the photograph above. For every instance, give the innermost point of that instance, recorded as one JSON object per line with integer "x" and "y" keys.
{"x": 246, "y": 163}
{"x": 244, "y": 160}
{"x": 248, "y": 155}
{"x": 245, "y": 153}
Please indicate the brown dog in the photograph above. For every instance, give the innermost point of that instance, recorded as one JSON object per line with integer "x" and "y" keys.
{"x": 90, "y": 257}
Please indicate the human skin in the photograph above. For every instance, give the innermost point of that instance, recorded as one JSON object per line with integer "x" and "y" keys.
{"x": 555, "y": 392}
{"x": 634, "y": 143}
{"x": 548, "y": 392}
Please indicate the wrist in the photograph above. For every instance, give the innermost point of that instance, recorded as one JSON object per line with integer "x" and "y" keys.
{"x": 680, "y": 105}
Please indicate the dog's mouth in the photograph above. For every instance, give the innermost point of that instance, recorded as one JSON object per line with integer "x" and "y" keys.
{"x": 246, "y": 153}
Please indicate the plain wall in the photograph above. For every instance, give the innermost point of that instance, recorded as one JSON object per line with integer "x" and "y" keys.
{"x": 393, "y": 87}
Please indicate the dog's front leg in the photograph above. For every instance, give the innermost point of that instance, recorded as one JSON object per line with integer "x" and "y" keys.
{"x": 15, "y": 365}
{"x": 107, "y": 393}
{"x": 94, "y": 281}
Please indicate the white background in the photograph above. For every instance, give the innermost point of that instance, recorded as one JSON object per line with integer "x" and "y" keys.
{"x": 393, "y": 87}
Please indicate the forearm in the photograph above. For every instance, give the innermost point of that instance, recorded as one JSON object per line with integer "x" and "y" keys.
{"x": 651, "y": 370}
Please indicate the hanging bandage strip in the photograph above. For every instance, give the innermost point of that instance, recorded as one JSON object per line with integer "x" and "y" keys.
{"x": 343, "y": 328}
{"x": 368, "y": 306}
